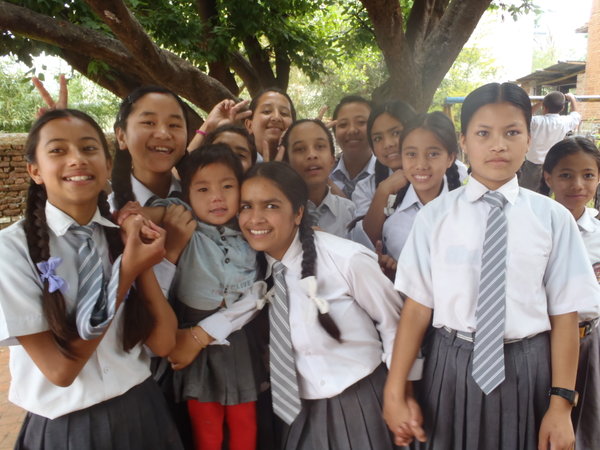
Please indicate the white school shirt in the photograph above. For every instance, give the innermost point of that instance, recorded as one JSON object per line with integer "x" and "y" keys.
{"x": 340, "y": 174}
{"x": 363, "y": 194}
{"x": 362, "y": 302}
{"x": 589, "y": 228}
{"x": 141, "y": 193}
{"x": 397, "y": 226}
{"x": 333, "y": 214}
{"x": 109, "y": 372}
{"x": 547, "y": 268}
{"x": 547, "y": 130}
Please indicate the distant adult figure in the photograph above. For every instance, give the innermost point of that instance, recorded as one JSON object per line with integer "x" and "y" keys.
{"x": 547, "y": 129}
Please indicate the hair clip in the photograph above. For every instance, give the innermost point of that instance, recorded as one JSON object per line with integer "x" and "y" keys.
{"x": 47, "y": 273}
{"x": 309, "y": 284}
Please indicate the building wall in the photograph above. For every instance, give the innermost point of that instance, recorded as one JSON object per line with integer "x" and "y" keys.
{"x": 13, "y": 177}
{"x": 590, "y": 83}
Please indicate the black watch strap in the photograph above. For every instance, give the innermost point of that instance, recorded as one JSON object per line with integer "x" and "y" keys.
{"x": 571, "y": 396}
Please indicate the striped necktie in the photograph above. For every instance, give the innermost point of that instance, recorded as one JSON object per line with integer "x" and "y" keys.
{"x": 284, "y": 381}
{"x": 488, "y": 351}
{"x": 350, "y": 185}
{"x": 91, "y": 301}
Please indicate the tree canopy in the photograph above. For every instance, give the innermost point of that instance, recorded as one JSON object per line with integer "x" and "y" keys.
{"x": 208, "y": 50}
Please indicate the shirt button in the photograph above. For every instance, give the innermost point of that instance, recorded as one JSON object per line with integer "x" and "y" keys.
{"x": 222, "y": 238}
{"x": 226, "y": 260}
{"x": 106, "y": 370}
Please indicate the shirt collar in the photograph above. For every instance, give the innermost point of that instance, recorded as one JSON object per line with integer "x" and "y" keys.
{"x": 59, "y": 221}
{"x": 327, "y": 202}
{"x": 474, "y": 190}
{"x": 411, "y": 198}
{"x": 294, "y": 251}
{"x": 142, "y": 193}
{"x": 586, "y": 222}
{"x": 341, "y": 173}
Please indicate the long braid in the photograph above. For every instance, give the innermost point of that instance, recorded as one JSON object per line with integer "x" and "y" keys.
{"x": 138, "y": 321}
{"x": 381, "y": 173}
{"x": 121, "y": 178}
{"x": 309, "y": 260}
{"x": 62, "y": 325}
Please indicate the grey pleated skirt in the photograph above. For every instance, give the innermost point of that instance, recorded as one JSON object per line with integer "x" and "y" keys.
{"x": 136, "y": 420}
{"x": 351, "y": 420}
{"x": 586, "y": 416}
{"x": 221, "y": 373}
{"x": 457, "y": 415}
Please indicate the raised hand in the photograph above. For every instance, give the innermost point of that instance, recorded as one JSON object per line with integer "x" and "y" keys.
{"x": 63, "y": 95}
{"x": 179, "y": 225}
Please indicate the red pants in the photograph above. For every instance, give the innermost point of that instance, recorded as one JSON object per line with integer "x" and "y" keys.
{"x": 207, "y": 424}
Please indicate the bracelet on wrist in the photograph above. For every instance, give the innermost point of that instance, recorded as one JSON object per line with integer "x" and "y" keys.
{"x": 196, "y": 338}
{"x": 203, "y": 133}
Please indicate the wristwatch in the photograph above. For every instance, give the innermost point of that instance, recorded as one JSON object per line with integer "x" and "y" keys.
{"x": 571, "y": 396}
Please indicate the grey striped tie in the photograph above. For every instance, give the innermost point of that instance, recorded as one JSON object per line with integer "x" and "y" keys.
{"x": 488, "y": 352}
{"x": 284, "y": 381}
{"x": 91, "y": 301}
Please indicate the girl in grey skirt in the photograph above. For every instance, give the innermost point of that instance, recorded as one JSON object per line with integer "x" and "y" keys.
{"x": 571, "y": 171}
{"x": 75, "y": 323}
{"x": 327, "y": 370}
{"x": 502, "y": 274}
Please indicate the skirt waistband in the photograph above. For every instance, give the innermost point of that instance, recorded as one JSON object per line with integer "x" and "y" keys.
{"x": 470, "y": 336}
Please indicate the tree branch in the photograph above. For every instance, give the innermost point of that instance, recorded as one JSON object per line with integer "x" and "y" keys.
{"x": 259, "y": 61}
{"x": 246, "y": 72}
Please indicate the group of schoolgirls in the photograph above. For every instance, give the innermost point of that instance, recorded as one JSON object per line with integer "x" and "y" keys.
{"x": 279, "y": 333}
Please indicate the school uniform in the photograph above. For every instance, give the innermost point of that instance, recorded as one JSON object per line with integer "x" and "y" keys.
{"x": 340, "y": 383}
{"x": 143, "y": 195}
{"x": 586, "y": 415}
{"x": 363, "y": 194}
{"x": 112, "y": 403}
{"x": 398, "y": 225}
{"x": 340, "y": 176}
{"x": 333, "y": 214}
{"x": 216, "y": 268}
{"x": 547, "y": 273}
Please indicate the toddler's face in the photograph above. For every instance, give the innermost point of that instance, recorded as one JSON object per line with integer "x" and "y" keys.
{"x": 215, "y": 194}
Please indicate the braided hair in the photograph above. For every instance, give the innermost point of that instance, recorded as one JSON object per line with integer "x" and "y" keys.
{"x": 121, "y": 172}
{"x": 138, "y": 320}
{"x": 294, "y": 188}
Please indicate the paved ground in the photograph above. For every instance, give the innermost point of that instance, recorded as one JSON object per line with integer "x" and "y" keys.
{"x": 11, "y": 416}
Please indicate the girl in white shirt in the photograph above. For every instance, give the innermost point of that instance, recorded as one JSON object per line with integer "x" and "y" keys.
{"x": 571, "y": 171}
{"x": 429, "y": 150}
{"x": 541, "y": 282}
{"x": 309, "y": 151}
{"x": 341, "y": 322}
{"x": 77, "y": 362}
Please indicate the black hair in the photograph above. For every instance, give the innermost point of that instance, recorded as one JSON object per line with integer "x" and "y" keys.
{"x": 229, "y": 128}
{"x": 206, "y": 155}
{"x": 138, "y": 320}
{"x": 554, "y": 102}
{"x": 285, "y": 141}
{"x": 564, "y": 148}
{"x": 442, "y": 127}
{"x": 121, "y": 173}
{"x": 295, "y": 190}
{"x": 254, "y": 103}
{"x": 495, "y": 93}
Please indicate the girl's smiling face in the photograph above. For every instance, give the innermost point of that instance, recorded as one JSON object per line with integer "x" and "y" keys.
{"x": 271, "y": 117}
{"x": 267, "y": 218}
{"x": 574, "y": 180}
{"x": 310, "y": 154}
{"x": 351, "y": 129}
{"x": 496, "y": 141}
{"x": 71, "y": 163}
{"x": 214, "y": 194}
{"x": 155, "y": 135}
{"x": 385, "y": 135}
{"x": 424, "y": 162}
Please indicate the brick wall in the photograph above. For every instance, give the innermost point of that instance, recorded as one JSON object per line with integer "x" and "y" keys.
{"x": 13, "y": 177}
{"x": 591, "y": 81}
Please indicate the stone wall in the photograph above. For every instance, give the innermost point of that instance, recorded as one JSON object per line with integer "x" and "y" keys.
{"x": 14, "y": 178}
